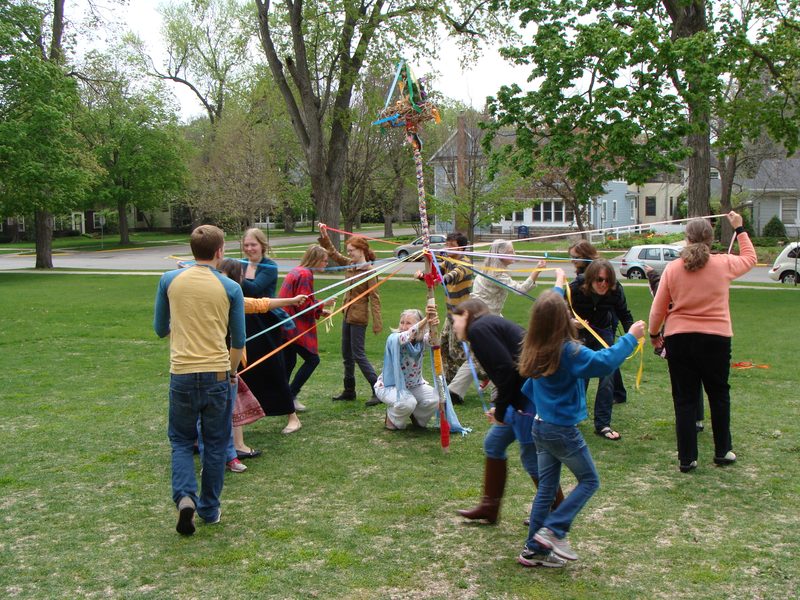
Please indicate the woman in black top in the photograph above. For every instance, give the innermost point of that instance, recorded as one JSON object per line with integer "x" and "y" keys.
{"x": 599, "y": 300}
{"x": 495, "y": 342}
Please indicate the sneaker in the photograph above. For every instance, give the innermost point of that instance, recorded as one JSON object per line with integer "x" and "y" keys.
{"x": 698, "y": 426}
{"x": 185, "y": 524}
{"x": 236, "y": 466}
{"x": 728, "y": 459}
{"x": 529, "y": 558}
{"x": 214, "y": 521}
{"x": 548, "y": 539}
{"x": 687, "y": 468}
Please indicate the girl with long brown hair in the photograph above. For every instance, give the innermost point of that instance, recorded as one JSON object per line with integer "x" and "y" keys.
{"x": 556, "y": 364}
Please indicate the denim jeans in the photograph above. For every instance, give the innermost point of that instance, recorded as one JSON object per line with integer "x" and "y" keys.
{"x": 517, "y": 426}
{"x": 559, "y": 445}
{"x": 230, "y": 450}
{"x": 353, "y": 339}
{"x": 310, "y": 363}
{"x": 604, "y": 398}
{"x": 193, "y": 396}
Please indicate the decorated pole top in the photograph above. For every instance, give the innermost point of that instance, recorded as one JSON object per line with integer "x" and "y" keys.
{"x": 411, "y": 108}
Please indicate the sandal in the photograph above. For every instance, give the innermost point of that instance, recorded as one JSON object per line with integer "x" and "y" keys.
{"x": 609, "y": 434}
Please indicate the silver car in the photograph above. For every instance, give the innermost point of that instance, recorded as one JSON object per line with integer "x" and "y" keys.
{"x": 657, "y": 256}
{"x": 437, "y": 242}
{"x": 786, "y": 265}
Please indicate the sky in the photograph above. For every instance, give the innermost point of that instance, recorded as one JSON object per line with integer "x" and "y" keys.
{"x": 470, "y": 86}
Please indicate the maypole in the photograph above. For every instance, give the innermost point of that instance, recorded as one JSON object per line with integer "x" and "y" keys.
{"x": 410, "y": 111}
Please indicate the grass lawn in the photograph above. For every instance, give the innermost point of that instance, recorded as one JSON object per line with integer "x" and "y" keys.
{"x": 345, "y": 509}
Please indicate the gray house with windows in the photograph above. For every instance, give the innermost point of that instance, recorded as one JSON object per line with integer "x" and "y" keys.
{"x": 775, "y": 191}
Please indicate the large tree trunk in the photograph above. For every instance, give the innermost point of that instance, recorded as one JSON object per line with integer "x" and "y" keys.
{"x": 44, "y": 239}
{"x": 689, "y": 19}
{"x": 727, "y": 171}
{"x": 699, "y": 185}
{"x": 122, "y": 213}
{"x": 288, "y": 217}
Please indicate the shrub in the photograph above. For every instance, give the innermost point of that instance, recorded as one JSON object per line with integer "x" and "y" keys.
{"x": 775, "y": 228}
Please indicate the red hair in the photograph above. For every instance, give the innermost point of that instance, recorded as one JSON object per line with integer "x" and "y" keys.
{"x": 360, "y": 243}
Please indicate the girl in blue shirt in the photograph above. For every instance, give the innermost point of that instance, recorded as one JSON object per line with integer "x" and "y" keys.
{"x": 556, "y": 364}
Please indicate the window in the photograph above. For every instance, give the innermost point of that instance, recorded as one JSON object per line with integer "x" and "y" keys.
{"x": 551, "y": 211}
{"x": 794, "y": 253}
{"x": 20, "y": 224}
{"x": 671, "y": 205}
{"x": 789, "y": 211}
{"x": 670, "y": 254}
{"x": 650, "y": 206}
{"x": 519, "y": 215}
{"x": 98, "y": 220}
{"x": 2, "y": 224}
{"x": 651, "y": 254}
{"x": 603, "y": 210}
{"x": 614, "y": 210}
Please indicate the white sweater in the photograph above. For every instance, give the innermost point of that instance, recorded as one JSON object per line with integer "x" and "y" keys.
{"x": 495, "y": 294}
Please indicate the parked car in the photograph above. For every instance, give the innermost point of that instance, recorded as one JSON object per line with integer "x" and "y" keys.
{"x": 437, "y": 242}
{"x": 657, "y": 256}
{"x": 786, "y": 265}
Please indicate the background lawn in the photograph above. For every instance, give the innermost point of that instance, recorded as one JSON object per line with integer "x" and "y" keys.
{"x": 345, "y": 509}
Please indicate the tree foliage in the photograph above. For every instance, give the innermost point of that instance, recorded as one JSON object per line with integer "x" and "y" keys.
{"x": 627, "y": 87}
{"x": 44, "y": 164}
{"x": 316, "y": 52}
{"x": 134, "y": 136}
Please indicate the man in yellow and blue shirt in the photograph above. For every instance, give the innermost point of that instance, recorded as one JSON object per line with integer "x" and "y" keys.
{"x": 197, "y": 307}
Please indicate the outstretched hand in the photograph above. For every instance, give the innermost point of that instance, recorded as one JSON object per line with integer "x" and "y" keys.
{"x": 637, "y": 330}
{"x": 323, "y": 230}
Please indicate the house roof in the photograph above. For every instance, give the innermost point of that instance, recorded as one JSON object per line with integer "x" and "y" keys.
{"x": 449, "y": 150}
{"x": 777, "y": 174}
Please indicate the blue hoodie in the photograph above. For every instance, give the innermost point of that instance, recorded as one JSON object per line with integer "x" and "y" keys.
{"x": 560, "y": 398}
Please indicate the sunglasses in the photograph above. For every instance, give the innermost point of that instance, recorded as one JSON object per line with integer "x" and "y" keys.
{"x": 601, "y": 280}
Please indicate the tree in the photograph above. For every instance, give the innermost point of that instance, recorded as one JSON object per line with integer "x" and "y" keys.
{"x": 207, "y": 48}
{"x": 624, "y": 85}
{"x": 44, "y": 165}
{"x": 135, "y": 138}
{"x": 316, "y": 52}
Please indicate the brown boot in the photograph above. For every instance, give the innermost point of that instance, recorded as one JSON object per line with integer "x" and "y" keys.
{"x": 558, "y": 499}
{"x": 494, "y": 484}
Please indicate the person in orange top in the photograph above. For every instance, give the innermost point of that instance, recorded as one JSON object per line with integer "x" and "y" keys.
{"x": 693, "y": 304}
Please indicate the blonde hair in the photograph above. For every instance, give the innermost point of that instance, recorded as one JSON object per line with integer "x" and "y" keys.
{"x": 498, "y": 247}
{"x": 698, "y": 249}
{"x": 258, "y": 234}
{"x": 549, "y": 328}
{"x": 414, "y": 312}
{"x": 313, "y": 255}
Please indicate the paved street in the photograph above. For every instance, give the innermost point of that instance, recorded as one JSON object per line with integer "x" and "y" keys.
{"x": 163, "y": 258}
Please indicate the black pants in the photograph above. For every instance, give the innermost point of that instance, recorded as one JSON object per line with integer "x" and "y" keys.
{"x": 695, "y": 359}
{"x": 310, "y": 362}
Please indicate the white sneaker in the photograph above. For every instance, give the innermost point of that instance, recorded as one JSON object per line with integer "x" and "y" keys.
{"x": 560, "y": 547}
{"x": 529, "y": 558}
{"x": 236, "y": 466}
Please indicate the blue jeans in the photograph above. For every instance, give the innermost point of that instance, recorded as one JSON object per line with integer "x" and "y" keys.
{"x": 203, "y": 396}
{"x": 604, "y": 398}
{"x": 230, "y": 450}
{"x": 559, "y": 445}
{"x": 517, "y": 426}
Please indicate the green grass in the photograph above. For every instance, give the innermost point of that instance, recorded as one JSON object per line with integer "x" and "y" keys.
{"x": 345, "y": 509}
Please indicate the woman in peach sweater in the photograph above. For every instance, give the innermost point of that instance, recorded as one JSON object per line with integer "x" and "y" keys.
{"x": 692, "y": 303}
